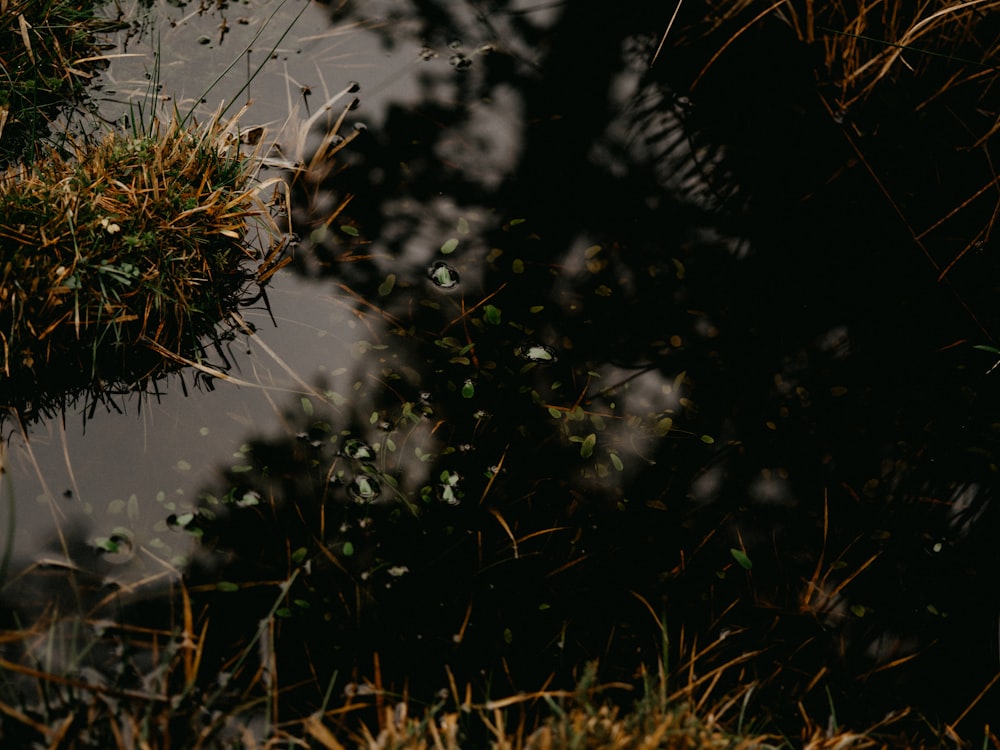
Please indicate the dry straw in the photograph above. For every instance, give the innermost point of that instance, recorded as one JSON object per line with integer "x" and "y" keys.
{"x": 868, "y": 44}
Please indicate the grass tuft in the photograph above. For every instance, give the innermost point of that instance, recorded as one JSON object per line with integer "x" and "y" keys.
{"x": 123, "y": 253}
{"x": 48, "y": 53}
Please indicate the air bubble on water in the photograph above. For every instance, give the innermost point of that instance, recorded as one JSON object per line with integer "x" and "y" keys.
{"x": 358, "y": 450}
{"x": 249, "y": 499}
{"x": 118, "y": 547}
{"x": 426, "y": 53}
{"x": 541, "y": 353}
{"x": 364, "y": 489}
{"x": 443, "y": 275}
{"x": 455, "y": 44}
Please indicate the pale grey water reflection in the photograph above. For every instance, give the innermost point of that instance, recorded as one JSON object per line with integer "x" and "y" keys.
{"x": 105, "y": 482}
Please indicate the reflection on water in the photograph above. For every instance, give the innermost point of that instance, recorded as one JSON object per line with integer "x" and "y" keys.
{"x": 554, "y": 351}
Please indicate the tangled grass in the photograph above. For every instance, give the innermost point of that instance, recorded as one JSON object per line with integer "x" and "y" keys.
{"x": 123, "y": 254}
{"x": 48, "y": 52}
{"x": 871, "y": 45}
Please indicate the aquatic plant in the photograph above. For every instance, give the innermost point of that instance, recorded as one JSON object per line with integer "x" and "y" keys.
{"x": 120, "y": 256}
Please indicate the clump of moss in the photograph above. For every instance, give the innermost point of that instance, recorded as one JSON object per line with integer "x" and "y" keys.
{"x": 117, "y": 259}
{"x": 48, "y": 52}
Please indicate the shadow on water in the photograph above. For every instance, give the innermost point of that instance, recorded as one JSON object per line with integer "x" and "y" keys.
{"x": 628, "y": 352}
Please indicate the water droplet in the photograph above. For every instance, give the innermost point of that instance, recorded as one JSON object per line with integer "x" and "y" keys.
{"x": 542, "y": 353}
{"x": 358, "y": 450}
{"x": 364, "y": 489}
{"x": 459, "y": 61}
{"x": 443, "y": 275}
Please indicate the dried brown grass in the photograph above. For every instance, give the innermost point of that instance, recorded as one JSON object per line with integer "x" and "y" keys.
{"x": 143, "y": 240}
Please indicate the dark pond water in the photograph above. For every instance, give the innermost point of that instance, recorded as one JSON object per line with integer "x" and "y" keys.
{"x": 583, "y": 347}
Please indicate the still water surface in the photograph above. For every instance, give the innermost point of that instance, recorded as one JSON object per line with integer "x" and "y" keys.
{"x": 569, "y": 357}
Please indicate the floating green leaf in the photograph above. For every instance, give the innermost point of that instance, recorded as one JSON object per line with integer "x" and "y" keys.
{"x": 587, "y": 447}
{"x": 741, "y": 557}
{"x": 491, "y": 315}
{"x": 348, "y": 549}
{"x": 348, "y": 229}
{"x": 299, "y": 555}
{"x": 227, "y": 586}
{"x": 468, "y": 389}
{"x": 463, "y": 226}
{"x": 517, "y": 266}
{"x": 449, "y": 247}
{"x": 307, "y": 407}
{"x": 617, "y": 461}
{"x": 386, "y": 286}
